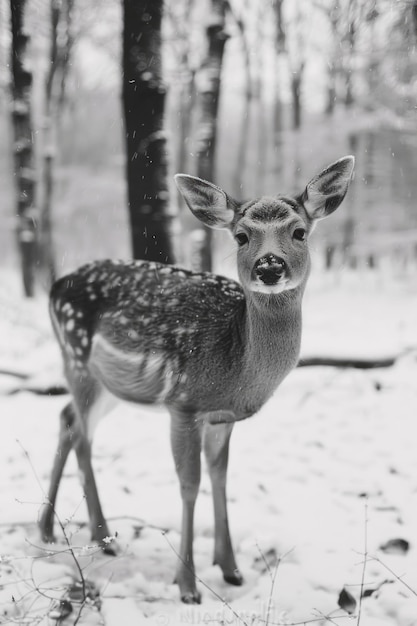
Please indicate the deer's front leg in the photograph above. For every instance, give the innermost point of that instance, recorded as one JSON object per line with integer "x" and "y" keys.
{"x": 186, "y": 448}
{"x": 216, "y": 447}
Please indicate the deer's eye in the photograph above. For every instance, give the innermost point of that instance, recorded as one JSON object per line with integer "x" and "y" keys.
{"x": 299, "y": 234}
{"x": 241, "y": 239}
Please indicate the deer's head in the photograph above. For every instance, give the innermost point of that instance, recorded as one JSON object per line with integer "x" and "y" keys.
{"x": 271, "y": 232}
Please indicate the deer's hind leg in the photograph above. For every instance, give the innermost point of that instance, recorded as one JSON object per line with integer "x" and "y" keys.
{"x": 78, "y": 419}
{"x": 65, "y": 443}
{"x": 93, "y": 401}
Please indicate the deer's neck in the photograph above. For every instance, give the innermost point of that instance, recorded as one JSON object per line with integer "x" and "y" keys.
{"x": 273, "y": 324}
{"x": 271, "y": 336}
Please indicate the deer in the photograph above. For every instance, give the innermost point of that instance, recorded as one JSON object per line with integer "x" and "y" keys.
{"x": 209, "y": 348}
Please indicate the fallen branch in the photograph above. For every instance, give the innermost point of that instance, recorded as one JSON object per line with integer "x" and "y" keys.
{"x": 15, "y": 374}
{"x": 51, "y": 390}
{"x": 358, "y": 363}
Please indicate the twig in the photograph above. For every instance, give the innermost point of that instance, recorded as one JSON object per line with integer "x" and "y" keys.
{"x": 311, "y": 620}
{"x": 133, "y": 518}
{"x": 268, "y": 608}
{"x": 264, "y": 560}
{"x": 327, "y": 617}
{"x": 273, "y": 578}
{"x": 399, "y": 578}
{"x": 62, "y": 527}
{"x": 364, "y": 562}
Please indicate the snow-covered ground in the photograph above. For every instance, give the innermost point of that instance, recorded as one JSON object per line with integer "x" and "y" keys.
{"x": 324, "y": 474}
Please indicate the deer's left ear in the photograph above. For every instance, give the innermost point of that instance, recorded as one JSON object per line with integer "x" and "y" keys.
{"x": 326, "y": 191}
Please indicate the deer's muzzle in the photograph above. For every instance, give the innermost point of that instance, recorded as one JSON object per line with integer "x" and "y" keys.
{"x": 270, "y": 269}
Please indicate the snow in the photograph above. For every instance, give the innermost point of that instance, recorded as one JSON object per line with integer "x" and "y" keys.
{"x": 324, "y": 474}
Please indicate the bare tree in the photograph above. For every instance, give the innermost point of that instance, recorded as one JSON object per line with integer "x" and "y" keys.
{"x": 24, "y": 171}
{"x": 333, "y": 65}
{"x": 414, "y": 15}
{"x": 182, "y": 83}
{"x": 353, "y": 16}
{"x": 61, "y": 42}
{"x": 208, "y": 85}
{"x": 280, "y": 49}
{"x": 144, "y": 101}
{"x": 345, "y": 20}
{"x": 296, "y": 46}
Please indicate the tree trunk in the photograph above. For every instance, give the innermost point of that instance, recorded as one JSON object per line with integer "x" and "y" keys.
{"x": 184, "y": 94}
{"x": 278, "y": 108}
{"x": 331, "y": 90}
{"x": 244, "y": 125}
{"x": 60, "y": 49}
{"x": 349, "y": 99}
{"x": 353, "y": 19}
{"x": 183, "y": 88}
{"x": 334, "y": 15}
{"x": 144, "y": 101}
{"x": 24, "y": 171}
{"x": 239, "y": 188}
{"x": 296, "y": 80}
{"x": 414, "y": 16}
{"x": 209, "y": 82}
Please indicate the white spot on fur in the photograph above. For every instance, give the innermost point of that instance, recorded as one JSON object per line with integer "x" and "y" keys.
{"x": 67, "y": 307}
{"x": 70, "y": 325}
{"x": 92, "y": 278}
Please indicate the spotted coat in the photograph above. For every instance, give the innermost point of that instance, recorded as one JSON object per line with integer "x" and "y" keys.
{"x": 138, "y": 326}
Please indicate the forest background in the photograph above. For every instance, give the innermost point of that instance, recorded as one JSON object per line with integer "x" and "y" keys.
{"x": 296, "y": 84}
{"x": 256, "y": 96}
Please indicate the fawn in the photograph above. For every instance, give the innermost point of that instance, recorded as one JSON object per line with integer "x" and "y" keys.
{"x": 212, "y": 350}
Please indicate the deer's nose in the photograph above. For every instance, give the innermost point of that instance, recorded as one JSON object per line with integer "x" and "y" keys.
{"x": 270, "y": 269}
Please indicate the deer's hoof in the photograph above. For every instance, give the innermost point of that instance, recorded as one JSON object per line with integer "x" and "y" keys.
{"x": 235, "y": 578}
{"x": 191, "y": 597}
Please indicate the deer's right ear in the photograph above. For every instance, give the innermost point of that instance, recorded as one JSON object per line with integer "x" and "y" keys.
{"x": 207, "y": 202}
{"x": 326, "y": 191}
